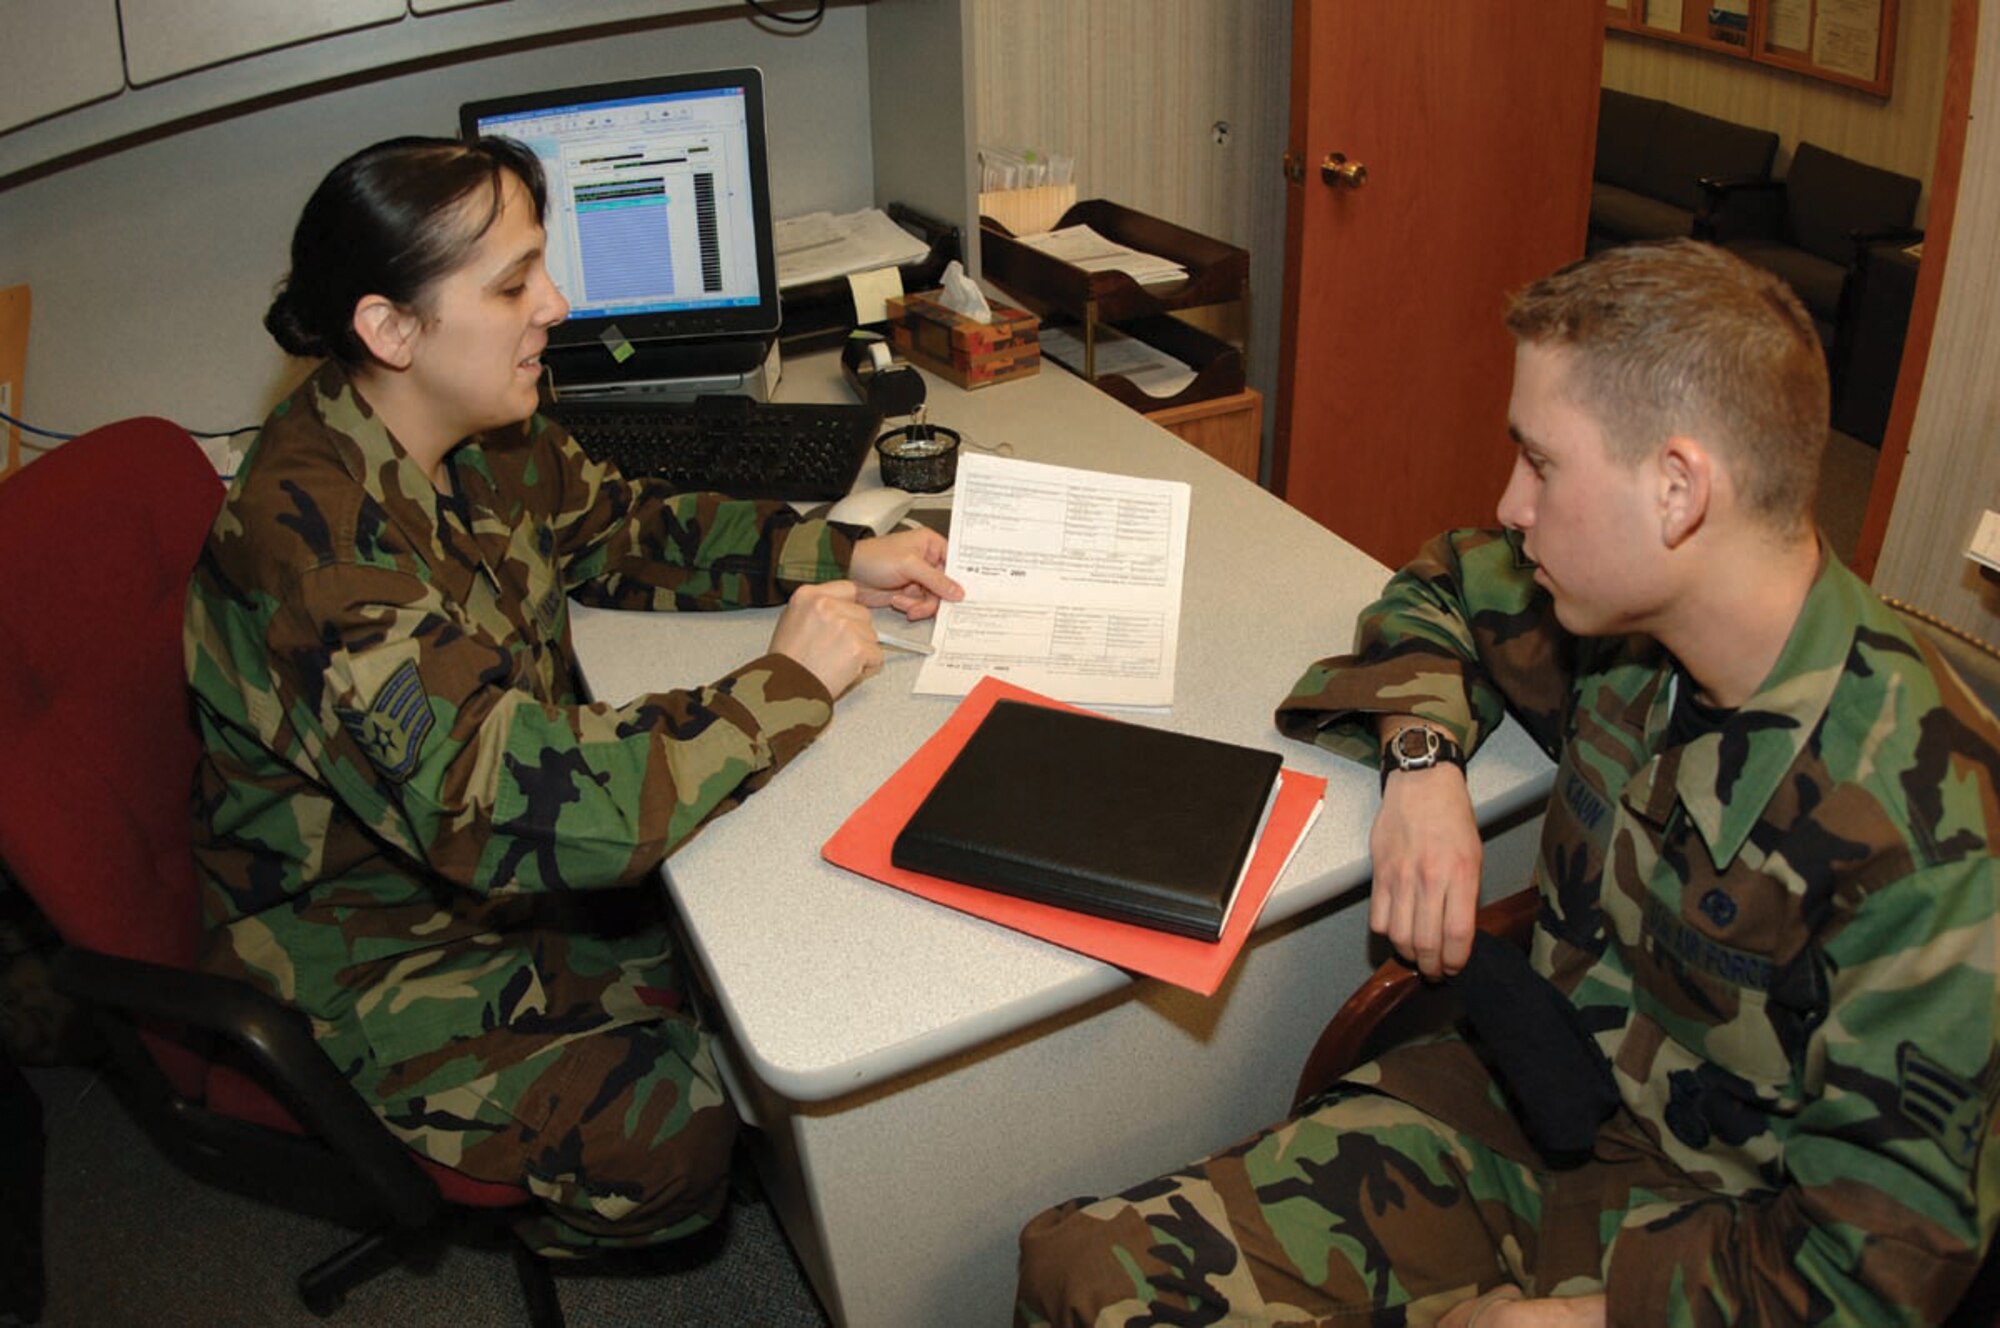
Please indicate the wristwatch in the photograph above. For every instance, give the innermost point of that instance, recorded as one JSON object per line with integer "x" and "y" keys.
{"x": 1418, "y": 747}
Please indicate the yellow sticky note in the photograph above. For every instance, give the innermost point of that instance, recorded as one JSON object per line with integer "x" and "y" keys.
{"x": 615, "y": 342}
{"x": 872, "y": 292}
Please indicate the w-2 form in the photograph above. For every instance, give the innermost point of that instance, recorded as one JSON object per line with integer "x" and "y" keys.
{"x": 1072, "y": 583}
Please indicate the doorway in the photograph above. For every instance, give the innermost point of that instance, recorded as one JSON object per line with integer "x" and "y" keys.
{"x": 1913, "y": 132}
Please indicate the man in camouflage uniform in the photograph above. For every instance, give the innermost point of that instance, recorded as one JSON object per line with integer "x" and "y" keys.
{"x": 409, "y": 816}
{"x": 1765, "y": 879}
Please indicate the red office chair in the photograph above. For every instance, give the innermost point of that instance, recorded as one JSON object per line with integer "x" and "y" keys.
{"x": 97, "y": 754}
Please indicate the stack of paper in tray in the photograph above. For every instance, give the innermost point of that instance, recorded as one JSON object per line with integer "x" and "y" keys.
{"x": 1080, "y": 246}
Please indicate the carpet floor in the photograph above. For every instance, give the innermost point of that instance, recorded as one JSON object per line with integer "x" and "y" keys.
{"x": 131, "y": 1240}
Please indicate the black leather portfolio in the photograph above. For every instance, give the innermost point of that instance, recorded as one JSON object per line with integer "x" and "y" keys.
{"x": 1124, "y": 821}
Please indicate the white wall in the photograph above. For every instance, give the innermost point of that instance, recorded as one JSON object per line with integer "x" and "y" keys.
{"x": 151, "y": 267}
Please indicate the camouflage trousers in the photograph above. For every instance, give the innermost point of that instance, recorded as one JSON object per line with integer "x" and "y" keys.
{"x": 606, "y": 1105}
{"x": 1363, "y": 1210}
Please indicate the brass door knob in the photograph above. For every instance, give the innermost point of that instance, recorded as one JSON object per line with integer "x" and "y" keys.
{"x": 1336, "y": 169}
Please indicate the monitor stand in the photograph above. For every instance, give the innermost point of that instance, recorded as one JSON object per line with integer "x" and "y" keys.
{"x": 667, "y": 370}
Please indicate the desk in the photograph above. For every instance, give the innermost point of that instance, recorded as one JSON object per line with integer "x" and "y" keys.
{"x": 925, "y": 1081}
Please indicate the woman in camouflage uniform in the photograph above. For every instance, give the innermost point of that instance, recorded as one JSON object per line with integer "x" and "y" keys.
{"x": 412, "y": 823}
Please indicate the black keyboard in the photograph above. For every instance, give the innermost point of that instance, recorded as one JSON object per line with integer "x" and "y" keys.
{"x": 730, "y": 444}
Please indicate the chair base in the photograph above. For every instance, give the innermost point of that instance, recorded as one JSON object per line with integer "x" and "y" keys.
{"x": 538, "y": 1288}
{"x": 323, "y": 1288}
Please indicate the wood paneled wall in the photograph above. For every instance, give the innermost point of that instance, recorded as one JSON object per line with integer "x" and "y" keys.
{"x": 1899, "y": 134}
{"x": 1952, "y": 471}
{"x": 1133, "y": 89}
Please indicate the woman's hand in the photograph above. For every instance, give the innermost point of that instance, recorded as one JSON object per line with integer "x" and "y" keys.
{"x": 1505, "y": 1307}
{"x": 827, "y": 629}
{"x": 903, "y": 571}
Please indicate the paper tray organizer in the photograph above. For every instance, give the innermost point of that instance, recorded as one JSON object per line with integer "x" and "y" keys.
{"x": 1218, "y": 274}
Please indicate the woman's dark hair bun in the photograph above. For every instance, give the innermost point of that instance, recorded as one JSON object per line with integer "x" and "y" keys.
{"x": 282, "y": 321}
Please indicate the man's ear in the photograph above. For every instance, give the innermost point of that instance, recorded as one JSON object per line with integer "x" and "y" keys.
{"x": 387, "y": 329}
{"x": 1687, "y": 477}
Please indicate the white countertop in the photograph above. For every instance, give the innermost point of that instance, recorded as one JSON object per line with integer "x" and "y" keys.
{"x": 832, "y": 982}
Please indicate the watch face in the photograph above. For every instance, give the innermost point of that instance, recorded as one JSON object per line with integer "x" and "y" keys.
{"x": 1415, "y": 747}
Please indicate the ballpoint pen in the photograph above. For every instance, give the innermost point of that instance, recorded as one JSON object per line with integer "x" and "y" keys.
{"x": 903, "y": 643}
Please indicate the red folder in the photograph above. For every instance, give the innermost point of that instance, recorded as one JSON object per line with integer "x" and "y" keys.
{"x": 862, "y": 845}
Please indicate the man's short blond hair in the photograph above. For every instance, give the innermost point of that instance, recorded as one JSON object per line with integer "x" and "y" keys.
{"x": 1683, "y": 338}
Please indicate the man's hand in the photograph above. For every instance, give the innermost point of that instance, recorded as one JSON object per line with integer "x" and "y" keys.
{"x": 1426, "y": 848}
{"x": 1504, "y": 1307}
{"x": 828, "y": 630}
{"x": 903, "y": 571}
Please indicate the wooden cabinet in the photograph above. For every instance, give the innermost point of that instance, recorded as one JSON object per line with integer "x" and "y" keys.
{"x": 1230, "y": 429}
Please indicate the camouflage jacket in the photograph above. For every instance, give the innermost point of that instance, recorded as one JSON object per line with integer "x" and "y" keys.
{"x": 401, "y": 765}
{"x": 1783, "y": 933}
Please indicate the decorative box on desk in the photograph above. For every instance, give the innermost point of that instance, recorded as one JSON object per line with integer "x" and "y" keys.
{"x": 968, "y": 352}
{"x": 1215, "y": 409}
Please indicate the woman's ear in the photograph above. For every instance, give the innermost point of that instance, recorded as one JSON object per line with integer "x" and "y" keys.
{"x": 1687, "y": 486}
{"x": 387, "y": 329}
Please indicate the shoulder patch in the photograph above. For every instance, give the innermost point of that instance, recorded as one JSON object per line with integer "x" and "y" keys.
{"x": 393, "y": 728}
{"x": 1940, "y": 1104}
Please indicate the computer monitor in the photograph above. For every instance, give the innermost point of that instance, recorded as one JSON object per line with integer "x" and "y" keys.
{"x": 659, "y": 220}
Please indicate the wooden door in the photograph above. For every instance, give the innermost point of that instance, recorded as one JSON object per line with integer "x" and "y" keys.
{"x": 1475, "y": 121}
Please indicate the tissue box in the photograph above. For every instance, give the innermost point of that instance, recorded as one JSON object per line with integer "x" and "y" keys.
{"x": 970, "y": 354}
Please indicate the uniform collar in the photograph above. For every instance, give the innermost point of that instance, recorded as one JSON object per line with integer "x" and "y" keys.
{"x": 389, "y": 475}
{"x": 1724, "y": 780}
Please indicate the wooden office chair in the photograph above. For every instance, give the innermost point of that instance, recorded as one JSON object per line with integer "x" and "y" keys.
{"x": 1395, "y": 1004}
{"x": 97, "y": 754}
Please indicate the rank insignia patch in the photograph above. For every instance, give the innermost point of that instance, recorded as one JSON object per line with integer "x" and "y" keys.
{"x": 1939, "y": 1103}
{"x": 393, "y": 727}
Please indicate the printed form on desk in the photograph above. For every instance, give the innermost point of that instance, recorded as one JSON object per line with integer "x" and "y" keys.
{"x": 819, "y": 245}
{"x": 1072, "y": 584}
{"x": 1081, "y": 246}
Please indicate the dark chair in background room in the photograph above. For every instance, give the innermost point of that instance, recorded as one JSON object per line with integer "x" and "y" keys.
{"x": 1816, "y": 228}
{"x": 1809, "y": 226}
{"x": 1652, "y": 159}
{"x": 97, "y": 755}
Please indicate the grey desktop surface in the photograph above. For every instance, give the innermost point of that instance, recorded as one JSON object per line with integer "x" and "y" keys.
{"x": 831, "y": 982}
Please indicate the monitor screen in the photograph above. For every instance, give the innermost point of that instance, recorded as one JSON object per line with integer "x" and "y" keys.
{"x": 659, "y": 207}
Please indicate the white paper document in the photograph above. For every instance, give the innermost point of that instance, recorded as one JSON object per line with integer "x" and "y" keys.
{"x": 820, "y": 245}
{"x": 1080, "y": 246}
{"x": 1072, "y": 583}
{"x": 1147, "y": 368}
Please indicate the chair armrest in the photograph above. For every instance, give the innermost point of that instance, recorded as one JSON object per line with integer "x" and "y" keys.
{"x": 1394, "y": 990}
{"x": 1897, "y": 235}
{"x": 1740, "y": 207}
{"x": 279, "y": 1042}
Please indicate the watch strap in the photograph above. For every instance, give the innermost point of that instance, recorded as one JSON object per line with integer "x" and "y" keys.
{"x": 1440, "y": 749}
